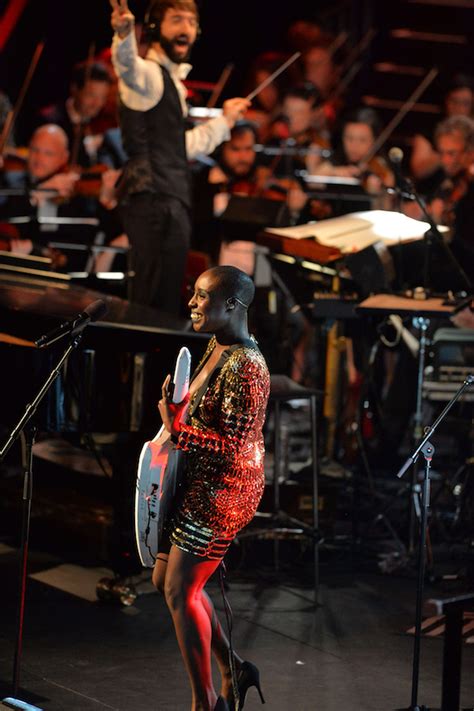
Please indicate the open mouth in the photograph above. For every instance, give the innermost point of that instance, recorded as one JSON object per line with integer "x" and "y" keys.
{"x": 181, "y": 42}
{"x": 195, "y": 317}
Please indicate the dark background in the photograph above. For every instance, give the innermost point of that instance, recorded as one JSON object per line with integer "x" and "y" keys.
{"x": 231, "y": 32}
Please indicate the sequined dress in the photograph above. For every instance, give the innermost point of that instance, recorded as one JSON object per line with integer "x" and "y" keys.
{"x": 225, "y": 452}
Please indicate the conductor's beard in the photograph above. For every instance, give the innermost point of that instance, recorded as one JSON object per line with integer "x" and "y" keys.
{"x": 178, "y": 49}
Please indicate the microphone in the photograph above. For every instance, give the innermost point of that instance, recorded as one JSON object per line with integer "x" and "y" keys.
{"x": 93, "y": 312}
{"x": 395, "y": 156}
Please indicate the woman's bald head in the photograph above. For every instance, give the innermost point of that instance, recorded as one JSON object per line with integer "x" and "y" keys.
{"x": 233, "y": 283}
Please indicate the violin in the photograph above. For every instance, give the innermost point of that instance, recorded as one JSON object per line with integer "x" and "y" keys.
{"x": 378, "y": 167}
{"x": 89, "y": 183}
{"x": 450, "y": 192}
{"x": 7, "y": 234}
{"x": 10, "y": 238}
{"x": 265, "y": 184}
{"x": 14, "y": 160}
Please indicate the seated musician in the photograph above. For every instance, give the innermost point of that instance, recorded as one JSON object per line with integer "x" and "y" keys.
{"x": 321, "y": 67}
{"x": 452, "y": 204}
{"x": 267, "y": 104}
{"x": 236, "y": 172}
{"x": 50, "y": 191}
{"x": 425, "y": 163}
{"x": 232, "y": 170}
{"x": 360, "y": 128}
{"x": 294, "y": 129}
{"x": 303, "y": 34}
{"x": 89, "y": 90}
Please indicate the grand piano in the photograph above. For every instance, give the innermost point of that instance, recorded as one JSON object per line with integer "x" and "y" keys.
{"x": 112, "y": 382}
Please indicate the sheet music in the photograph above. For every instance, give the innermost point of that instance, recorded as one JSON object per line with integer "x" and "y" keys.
{"x": 358, "y": 230}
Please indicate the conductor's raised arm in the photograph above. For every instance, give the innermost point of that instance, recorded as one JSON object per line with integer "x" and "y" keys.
{"x": 122, "y": 20}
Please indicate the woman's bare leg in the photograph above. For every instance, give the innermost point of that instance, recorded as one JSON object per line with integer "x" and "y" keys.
{"x": 221, "y": 648}
{"x": 186, "y": 575}
{"x": 219, "y": 642}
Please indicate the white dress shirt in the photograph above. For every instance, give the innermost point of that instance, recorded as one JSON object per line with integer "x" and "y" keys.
{"x": 141, "y": 88}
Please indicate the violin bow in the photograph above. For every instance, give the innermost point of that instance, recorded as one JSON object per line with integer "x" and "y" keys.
{"x": 401, "y": 113}
{"x": 219, "y": 87}
{"x": 13, "y": 114}
{"x": 338, "y": 41}
{"x": 358, "y": 49}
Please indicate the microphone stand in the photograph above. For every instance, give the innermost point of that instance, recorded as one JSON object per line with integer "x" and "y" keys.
{"x": 27, "y": 431}
{"x": 404, "y": 188}
{"x": 427, "y": 449}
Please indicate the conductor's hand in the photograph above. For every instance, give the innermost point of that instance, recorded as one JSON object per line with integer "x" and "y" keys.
{"x": 122, "y": 20}
{"x": 172, "y": 414}
{"x": 234, "y": 109}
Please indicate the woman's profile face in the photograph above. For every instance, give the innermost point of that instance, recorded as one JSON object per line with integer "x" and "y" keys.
{"x": 209, "y": 311}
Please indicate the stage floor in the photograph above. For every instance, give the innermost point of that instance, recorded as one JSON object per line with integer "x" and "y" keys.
{"x": 352, "y": 652}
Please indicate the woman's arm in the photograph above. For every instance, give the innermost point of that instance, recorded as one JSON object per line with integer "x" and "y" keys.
{"x": 245, "y": 393}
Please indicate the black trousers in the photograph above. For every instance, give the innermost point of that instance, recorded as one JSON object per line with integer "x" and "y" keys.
{"x": 159, "y": 230}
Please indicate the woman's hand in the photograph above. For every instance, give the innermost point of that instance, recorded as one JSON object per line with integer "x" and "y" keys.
{"x": 172, "y": 414}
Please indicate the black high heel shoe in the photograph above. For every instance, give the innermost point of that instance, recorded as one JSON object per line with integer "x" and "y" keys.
{"x": 248, "y": 676}
{"x": 221, "y": 704}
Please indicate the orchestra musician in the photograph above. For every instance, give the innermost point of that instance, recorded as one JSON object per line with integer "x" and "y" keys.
{"x": 46, "y": 168}
{"x": 267, "y": 104}
{"x": 237, "y": 171}
{"x": 321, "y": 69}
{"x": 50, "y": 189}
{"x": 232, "y": 171}
{"x": 303, "y": 34}
{"x": 224, "y": 479}
{"x": 425, "y": 164}
{"x": 360, "y": 128}
{"x": 89, "y": 90}
{"x": 156, "y": 182}
{"x": 452, "y": 204}
{"x": 294, "y": 128}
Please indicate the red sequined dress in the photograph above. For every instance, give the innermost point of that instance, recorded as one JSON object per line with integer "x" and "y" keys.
{"x": 225, "y": 451}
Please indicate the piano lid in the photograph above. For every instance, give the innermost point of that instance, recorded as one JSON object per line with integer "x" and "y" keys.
{"x": 29, "y": 306}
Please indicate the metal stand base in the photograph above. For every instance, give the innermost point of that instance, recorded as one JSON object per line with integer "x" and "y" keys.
{"x": 11, "y": 703}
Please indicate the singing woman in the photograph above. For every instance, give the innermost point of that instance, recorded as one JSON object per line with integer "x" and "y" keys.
{"x": 224, "y": 479}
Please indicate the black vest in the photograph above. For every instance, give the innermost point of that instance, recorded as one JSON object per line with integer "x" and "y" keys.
{"x": 155, "y": 143}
